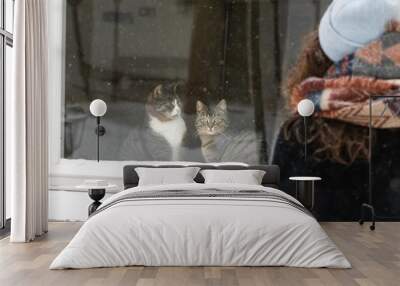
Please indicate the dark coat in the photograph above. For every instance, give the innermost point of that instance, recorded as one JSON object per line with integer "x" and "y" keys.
{"x": 344, "y": 188}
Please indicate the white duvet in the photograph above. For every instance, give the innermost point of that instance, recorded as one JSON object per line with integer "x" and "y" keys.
{"x": 203, "y": 232}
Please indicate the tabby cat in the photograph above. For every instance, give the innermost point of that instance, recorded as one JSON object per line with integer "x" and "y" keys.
{"x": 218, "y": 143}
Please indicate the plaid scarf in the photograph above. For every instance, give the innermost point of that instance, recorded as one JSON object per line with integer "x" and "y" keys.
{"x": 343, "y": 94}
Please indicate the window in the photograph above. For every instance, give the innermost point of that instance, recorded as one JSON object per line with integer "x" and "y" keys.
{"x": 201, "y": 81}
{"x": 163, "y": 67}
{"x": 6, "y": 65}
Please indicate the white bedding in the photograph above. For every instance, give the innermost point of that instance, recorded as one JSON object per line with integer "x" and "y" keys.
{"x": 200, "y": 231}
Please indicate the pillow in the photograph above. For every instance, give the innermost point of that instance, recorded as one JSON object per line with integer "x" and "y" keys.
{"x": 247, "y": 177}
{"x": 163, "y": 176}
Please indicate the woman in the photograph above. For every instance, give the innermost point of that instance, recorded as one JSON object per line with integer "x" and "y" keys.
{"x": 338, "y": 135}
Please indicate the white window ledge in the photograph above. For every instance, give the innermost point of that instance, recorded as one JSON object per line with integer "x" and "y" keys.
{"x": 67, "y": 173}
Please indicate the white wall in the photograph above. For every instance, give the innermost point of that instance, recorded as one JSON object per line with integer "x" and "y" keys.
{"x": 69, "y": 205}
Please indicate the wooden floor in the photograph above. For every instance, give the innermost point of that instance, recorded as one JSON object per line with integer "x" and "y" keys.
{"x": 375, "y": 257}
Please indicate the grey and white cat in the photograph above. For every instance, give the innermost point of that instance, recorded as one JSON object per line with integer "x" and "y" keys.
{"x": 218, "y": 143}
{"x": 160, "y": 136}
{"x": 164, "y": 108}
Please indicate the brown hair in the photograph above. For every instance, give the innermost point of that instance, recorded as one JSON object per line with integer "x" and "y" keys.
{"x": 393, "y": 26}
{"x": 312, "y": 61}
{"x": 329, "y": 139}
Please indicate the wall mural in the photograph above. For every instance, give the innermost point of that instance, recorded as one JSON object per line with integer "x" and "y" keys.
{"x": 218, "y": 81}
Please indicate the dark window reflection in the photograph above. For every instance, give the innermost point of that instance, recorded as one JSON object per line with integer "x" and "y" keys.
{"x": 184, "y": 80}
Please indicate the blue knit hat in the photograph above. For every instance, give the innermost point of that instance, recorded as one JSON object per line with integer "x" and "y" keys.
{"x": 351, "y": 24}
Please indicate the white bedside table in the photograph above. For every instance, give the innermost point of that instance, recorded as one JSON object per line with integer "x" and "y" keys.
{"x": 305, "y": 190}
{"x": 96, "y": 193}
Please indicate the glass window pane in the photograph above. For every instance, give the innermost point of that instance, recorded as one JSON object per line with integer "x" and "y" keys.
{"x": 9, "y": 15}
{"x": 1, "y": 16}
{"x": 221, "y": 53}
{"x": 8, "y": 89}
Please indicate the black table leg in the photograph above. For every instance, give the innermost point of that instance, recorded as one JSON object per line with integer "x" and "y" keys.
{"x": 372, "y": 210}
{"x": 305, "y": 193}
{"x": 96, "y": 195}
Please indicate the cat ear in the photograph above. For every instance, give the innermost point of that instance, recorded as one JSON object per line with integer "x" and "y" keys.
{"x": 222, "y": 105}
{"x": 158, "y": 90}
{"x": 200, "y": 106}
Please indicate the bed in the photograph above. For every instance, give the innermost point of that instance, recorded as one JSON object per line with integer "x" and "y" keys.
{"x": 199, "y": 224}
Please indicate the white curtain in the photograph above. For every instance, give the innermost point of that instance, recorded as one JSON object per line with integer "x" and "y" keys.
{"x": 26, "y": 157}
